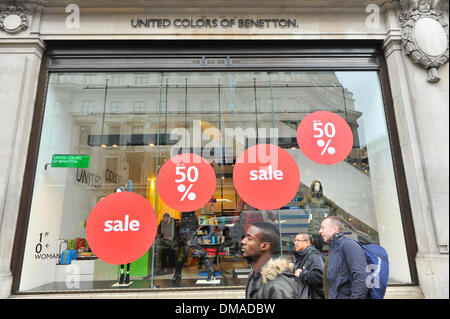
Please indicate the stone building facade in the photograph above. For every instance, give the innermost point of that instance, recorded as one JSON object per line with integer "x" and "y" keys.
{"x": 412, "y": 36}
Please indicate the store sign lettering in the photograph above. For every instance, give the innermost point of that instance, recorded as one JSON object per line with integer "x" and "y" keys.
{"x": 266, "y": 175}
{"x": 89, "y": 179}
{"x": 261, "y": 179}
{"x": 121, "y": 226}
{"x": 213, "y": 23}
{"x": 85, "y": 177}
{"x": 186, "y": 182}
{"x": 47, "y": 256}
{"x": 67, "y": 160}
{"x": 111, "y": 177}
{"x": 43, "y": 244}
{"x": 325, "y": 137}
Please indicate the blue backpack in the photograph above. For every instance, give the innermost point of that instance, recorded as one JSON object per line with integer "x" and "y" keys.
{"x": 377, "y": 270}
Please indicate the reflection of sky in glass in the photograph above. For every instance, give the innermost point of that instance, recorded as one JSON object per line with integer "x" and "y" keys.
{"x": 367, "y": 94}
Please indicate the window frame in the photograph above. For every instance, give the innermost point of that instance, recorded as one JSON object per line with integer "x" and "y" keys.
{"x": 285, "y": 55}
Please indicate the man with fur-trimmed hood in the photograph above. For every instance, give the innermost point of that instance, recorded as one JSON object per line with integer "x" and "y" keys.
{"x": 270, "y": 278}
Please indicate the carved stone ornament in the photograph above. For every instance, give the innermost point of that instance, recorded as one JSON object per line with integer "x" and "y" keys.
{"x": 425, "y": 36}
{"x": 14, "y": 18}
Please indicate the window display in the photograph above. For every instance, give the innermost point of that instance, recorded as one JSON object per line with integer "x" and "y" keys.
{"x": 124, "y": 126}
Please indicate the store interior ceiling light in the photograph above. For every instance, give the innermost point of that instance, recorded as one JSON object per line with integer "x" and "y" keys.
{"x": 164, "y": 139}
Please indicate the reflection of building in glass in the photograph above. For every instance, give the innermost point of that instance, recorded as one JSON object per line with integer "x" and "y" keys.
{"x": 132, "y": 116}
{"x": 124, "y": 123}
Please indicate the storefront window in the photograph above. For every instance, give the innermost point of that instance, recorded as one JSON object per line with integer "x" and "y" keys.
{"x": 129, "y": 124}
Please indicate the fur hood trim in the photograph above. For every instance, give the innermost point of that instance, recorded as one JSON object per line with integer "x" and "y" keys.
{"x": 275, "y": 267}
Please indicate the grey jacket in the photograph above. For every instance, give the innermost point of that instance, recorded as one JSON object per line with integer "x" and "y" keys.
{"x": 275, "y": 280}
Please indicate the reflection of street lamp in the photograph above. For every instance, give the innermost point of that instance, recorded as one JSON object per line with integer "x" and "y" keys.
{"x": 104, "y": 111}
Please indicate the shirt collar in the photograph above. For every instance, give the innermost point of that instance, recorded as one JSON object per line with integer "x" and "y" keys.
{"x": 336, "y": 238}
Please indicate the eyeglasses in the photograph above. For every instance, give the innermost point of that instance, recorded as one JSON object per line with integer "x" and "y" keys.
{"x": 301, "y": 240}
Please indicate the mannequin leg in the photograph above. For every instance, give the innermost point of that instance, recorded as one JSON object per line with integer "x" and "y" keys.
{"x": 171, "y": 259}
{"x": 165, "y": 259}
{"x": 178, "y": 269}
{"x": 121, "y": 275}
{"x": 127, "y": 277}
{"x": 208, "y": 267}
{"x": 205, "y": 261}
{"x": 179, "y": 265}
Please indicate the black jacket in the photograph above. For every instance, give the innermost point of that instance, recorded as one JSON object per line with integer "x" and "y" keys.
{"x": 310, "y": 281}
{"x": 346, "y": 271}
{"x": 275, "y": 280}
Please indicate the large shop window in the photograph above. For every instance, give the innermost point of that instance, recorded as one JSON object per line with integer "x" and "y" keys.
{"x": 129, "y": 123}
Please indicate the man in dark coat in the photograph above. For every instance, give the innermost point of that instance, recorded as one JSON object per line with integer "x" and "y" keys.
{"x": 346, "y": 269}
{"x": 308, "y": 268}
{"x": 270, "y": 278}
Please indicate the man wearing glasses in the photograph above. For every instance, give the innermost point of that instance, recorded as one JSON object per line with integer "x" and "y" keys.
{"x": 308, "y": 268}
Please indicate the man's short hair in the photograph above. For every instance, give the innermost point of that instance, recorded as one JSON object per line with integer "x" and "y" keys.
{"x": 336, "y": 221}
{"x": 270, "y": 234}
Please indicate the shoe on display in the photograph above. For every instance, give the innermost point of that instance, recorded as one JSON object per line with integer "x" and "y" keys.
{"x": 178, "y": 269}
{"x": 176, "y": 276}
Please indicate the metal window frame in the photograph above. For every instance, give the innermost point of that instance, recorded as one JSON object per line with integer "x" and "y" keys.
{"x": 171, "y": 55}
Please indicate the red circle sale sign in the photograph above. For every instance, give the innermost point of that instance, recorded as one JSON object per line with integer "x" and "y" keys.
{"x": 325, "y": 137}
{"x": 186, "y": 182}
{"x": 121, "y": 228}
{"x": 266, "y": 176}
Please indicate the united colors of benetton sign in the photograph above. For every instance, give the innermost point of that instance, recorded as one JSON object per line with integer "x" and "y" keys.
{"x": 214, "y": 23}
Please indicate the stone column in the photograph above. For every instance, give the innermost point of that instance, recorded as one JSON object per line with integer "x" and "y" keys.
{"x": 421, "y": 109}
{"x": 20, "y": 61}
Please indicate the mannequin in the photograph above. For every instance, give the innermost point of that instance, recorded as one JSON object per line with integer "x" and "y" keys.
{"x": 317, "y": 200}
{"x": 123, "y": 280}
{"x": 188, "y": 239}
{"x": 166, "y": 234}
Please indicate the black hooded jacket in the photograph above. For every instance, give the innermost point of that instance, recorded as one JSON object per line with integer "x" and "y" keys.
{"x": 310, "y": 281}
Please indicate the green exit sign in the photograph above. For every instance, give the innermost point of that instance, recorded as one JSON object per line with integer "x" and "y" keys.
{"x": 64, "y": 160}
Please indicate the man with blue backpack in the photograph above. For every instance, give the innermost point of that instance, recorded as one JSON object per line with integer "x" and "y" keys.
{"x": 353, "y": 271}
